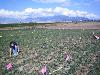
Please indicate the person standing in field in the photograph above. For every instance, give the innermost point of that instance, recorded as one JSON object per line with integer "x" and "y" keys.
{"x": 44, "y": 70}
{"x": 14, "y": 48}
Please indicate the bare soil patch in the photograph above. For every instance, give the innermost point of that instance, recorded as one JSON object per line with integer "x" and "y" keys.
{"x": 72, "y": 26}
{"x": 59, "y": 26}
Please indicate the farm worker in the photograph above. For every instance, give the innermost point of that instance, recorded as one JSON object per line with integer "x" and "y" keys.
{"x": 67, "y": 57}
{"x": 44, "y": 70}
{"x": 9, "y": 66}
{"x": 97, "y": 37}
{"x": 14, "y": 48}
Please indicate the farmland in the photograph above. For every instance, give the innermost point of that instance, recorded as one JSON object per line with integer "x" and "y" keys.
{"x": 39, "y": 46}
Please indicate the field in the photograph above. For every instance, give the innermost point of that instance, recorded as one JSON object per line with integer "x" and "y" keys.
{"x": 48, "y": 46}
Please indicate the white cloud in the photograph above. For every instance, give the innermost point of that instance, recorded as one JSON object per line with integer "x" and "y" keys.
{"x": 39, "y": 11}
{"x": 50, "y": 1}
{"x": 31, "y": 12}
{"x": 67, "y": 3}
{"x": 67, "y": 12}
{"x": 70, "y": 3}
{"x": 12, "y": 14}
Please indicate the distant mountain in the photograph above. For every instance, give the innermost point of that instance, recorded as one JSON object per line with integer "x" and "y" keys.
{"x": 56, "y": 18}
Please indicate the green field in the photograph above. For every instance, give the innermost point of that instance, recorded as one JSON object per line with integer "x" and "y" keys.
{"x": 39, "y": 46}
{"x": 22, "y": 24}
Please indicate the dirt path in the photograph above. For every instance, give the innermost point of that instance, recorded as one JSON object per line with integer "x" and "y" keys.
{"x": 73, "y": 26}
{"x": 14, "y": 28}
{"x": 60, "y": 26}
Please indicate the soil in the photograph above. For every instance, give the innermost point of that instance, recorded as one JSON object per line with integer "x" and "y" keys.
{"x": 60, "y": 26}
{"x": 73, "y": 26}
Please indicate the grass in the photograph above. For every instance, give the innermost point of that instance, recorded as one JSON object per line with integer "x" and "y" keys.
{"x": 40, "y": 46}
{"x": 22, "y": 24}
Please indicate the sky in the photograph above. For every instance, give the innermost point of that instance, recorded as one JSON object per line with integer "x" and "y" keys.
{"x": 34, "y": 8}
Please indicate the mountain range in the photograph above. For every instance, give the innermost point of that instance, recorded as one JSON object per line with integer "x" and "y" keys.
{"x": 56, "y": 18}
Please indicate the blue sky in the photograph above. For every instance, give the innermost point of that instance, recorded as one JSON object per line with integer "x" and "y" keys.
{"x": 24, "y": 8}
